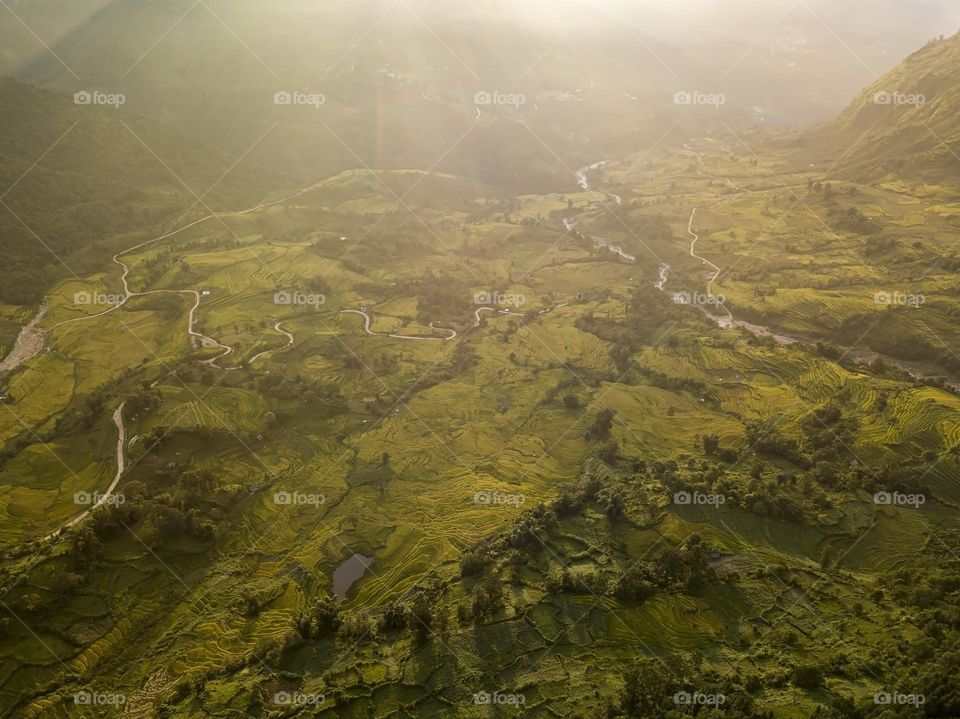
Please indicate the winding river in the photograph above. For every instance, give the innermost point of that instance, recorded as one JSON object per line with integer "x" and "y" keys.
{"x": 29, "y": 343}
{"x": 916, "y": 369}
{"x": 663, "y": 272}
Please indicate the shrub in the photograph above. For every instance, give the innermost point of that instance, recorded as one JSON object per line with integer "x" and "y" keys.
{"x": 807, "y": 676}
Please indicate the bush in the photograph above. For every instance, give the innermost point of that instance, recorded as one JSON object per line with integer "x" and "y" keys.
{"x": 807, "y": 676}
{"x": 600, "y": 429}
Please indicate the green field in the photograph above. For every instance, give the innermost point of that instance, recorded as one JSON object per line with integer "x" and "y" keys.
{"x": 204, "y": 571}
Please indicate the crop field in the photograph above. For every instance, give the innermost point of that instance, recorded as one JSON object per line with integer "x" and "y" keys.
{"x": 290, "y": 436}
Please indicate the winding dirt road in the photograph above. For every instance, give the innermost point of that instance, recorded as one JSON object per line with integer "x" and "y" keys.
{"x": 478, "y": 320}
{"x": 366, "y": 327}
{"x": 121, "y": 465}
{"x": 727, "y": 321}
{"x": 708, "y": 263}
{"x": 282, "y": 331}
{"x": 31, "y": 340}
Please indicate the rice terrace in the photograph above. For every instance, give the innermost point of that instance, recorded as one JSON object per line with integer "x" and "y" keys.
{"x": 410, "y": 359}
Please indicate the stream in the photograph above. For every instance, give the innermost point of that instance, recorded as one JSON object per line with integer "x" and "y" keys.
{"x": 664, "y": 272}
{"x": 581, "y": 174}
{"x": 916, "y": 369}
{"x": 570, "y": 224}
{"x": 28, "y": 345}
{"x": 584, "y": 182}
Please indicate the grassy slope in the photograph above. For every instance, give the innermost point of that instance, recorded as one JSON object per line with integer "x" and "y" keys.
{"x": 915, "y": 137}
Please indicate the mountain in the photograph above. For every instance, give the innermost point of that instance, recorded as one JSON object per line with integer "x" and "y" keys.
{"x": 73, "y": 175}
{"x": 905, "y": 121}
{"x": 399, "y": 80}
{"x": 394, "y": 95}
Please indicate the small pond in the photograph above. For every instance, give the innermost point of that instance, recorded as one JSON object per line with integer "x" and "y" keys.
{"x": 349, "y": 571}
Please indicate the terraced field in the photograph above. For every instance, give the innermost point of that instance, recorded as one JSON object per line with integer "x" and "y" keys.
{"x": 256, "y": 472}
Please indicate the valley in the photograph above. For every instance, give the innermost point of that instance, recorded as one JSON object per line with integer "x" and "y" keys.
{"x": 338, "y": 412}
{"x": 611, "y": 409}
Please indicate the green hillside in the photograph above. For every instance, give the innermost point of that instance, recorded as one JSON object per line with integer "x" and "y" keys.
{"x": 905, "y": 122}
{"x": 75, "y": 175}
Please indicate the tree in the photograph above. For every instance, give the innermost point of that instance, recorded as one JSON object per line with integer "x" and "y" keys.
{"x": 649, "y": 686}
{"x": 487, "y": 596}
{"x": 251, "y": 605}
{"x": 600, "y": 429}
{"x": 610, "y": 453}
{"x": 473, "y": 560}
{"x": 711, "y": 444}
{"x": 807, "y": 676}
{"x": 326, "y": 617}
{"x": 612, "y": 502}
{"x": 420, "y": 617}
{"x": 634, "y": 584}
{"x": 84, "y": 546}
{"x": 197, "y": 485}
{"x": 394, "y": 616}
